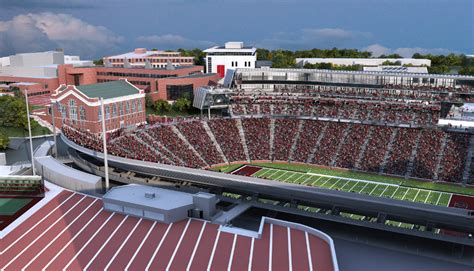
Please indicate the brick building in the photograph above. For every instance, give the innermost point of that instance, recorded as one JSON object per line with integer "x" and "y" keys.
{"x": 142, "y": 58}
{"x": 79, "y": 106}
{"x": 166, "y": 84}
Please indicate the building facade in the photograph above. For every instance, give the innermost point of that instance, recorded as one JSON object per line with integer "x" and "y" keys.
{"x": 231, "y": 56}
{"x": 142, "y": 58}
{"x": 363, "y": 61}
{"x": 164, "y": 84}
{"x": 80, "y": 106}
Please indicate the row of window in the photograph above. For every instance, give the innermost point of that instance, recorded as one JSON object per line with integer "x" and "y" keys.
{"x": 153, "y": 60}
{"x": 117, "y": 109}
{"x": 142, "y": 75}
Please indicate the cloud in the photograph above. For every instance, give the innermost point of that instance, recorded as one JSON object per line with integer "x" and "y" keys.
{"x": 378, "y": 50}
{"x": 45, "y": 4}
{"x": 316, "y": 38}
{"x": 174, "y": 41}
{"x": 48, "y": 31}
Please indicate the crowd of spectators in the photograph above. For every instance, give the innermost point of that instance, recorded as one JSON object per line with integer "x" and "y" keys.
{"x": 227, "y": 136}
{"x": 285, "y": 132}
{"x": 200, "y": 140}
{"x": 416, "y": 113}
{"x": 319, "y": 142}
{"x": 257, "y": 136}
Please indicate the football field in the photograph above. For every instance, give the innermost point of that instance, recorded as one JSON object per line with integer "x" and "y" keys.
{"x": 371, "y": 188}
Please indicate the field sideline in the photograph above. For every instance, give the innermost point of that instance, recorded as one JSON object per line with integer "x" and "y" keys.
{"x": 300, "y": 169}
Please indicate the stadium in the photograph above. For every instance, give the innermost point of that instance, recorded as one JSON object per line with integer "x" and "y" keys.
{"x": 292, "y": 156}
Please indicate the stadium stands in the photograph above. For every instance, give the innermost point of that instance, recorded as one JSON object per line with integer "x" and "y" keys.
{"x": 427, "y": 153}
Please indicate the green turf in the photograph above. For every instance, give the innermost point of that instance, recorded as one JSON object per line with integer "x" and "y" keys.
{"x": 9, "y": 206}
{"x": 451, "y": 188}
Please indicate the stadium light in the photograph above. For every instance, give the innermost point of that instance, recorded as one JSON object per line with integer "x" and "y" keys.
{"x": 54, "y": 129}
{"x": 29, "y": 132}
{"x": 104, "y": 142}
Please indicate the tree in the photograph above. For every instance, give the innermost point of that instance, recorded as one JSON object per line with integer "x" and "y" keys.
{"x": 4, "y": 141}
{"x": 182, "y": 104}
{"x": 149, "y": 101}
{"x": 162, "y": 106}
{"x": 99, "y": 62}
{"x": 13, "y": 112}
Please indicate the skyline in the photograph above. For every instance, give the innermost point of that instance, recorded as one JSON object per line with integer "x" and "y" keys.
{"x": 92, "y": 29}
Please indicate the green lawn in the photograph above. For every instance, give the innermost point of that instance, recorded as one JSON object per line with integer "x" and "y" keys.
{"x": 9, "y": 206}
{"x": 20, "y": 132}
{"x": 452, "y": 188}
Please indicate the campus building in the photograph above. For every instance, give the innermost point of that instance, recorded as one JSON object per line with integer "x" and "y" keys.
{"x": 142, "y": 58}
{"x": 231, "y": 56}
{"x": 80, "y": 106}
{"x": 300, "y": 62}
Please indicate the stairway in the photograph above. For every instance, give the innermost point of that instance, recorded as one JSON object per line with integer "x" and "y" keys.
{"x": 411, "y": 162}
{"x": 320, "y": 137}
{"x": 363, "y": 148}
{"x": 466, "y": 178}
{"x": 341, "y": 143}
{"x": 389, "y": 150}
{"x": 442, "y": 149}
{"x": 180, "y": 135}
{"x": 272, "y": 138}
{"x": 159, "y": 154}
{"x": 214, "y": 141}
{"x": 295, "y": 140}
{"x": 242, "y": 138}
{"x": 163, "y": 147}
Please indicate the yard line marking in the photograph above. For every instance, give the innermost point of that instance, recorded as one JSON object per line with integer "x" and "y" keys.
{"x": 70, "y": 241}
{"x": 229, "y": 265}
{"x": 308, "y": 250}
{"x": 37, "y": 223}
{"x": 178, "y": 245}
{"x": 334, "y": 183}
{"x": 213, "y": 250}
{"x": 404, "y": 195}
{"x": 270, "y": 253}
{"x": 159, "y": 246}
{"x": 43, "y": 233}
{"x": 302, "y": 175}
{"x": 286, "y": 179}
{"x": 384, "y": 190}
{"x": 325, "y": 181}
{"x": 309, "y": 178}
{"x": 427, "y": 197}
{"x": 196, "y": 246}
{"x": 251, "y": 254}
{"x": 87, "y": 243}
{"x": 342, "y": 188}
{"x": 416, "y": 195}
{"x": 450, "y": 197}
{"x": 123, "y": 244}
{"x": 290, "y": 262}
{"x": 362, "y": 188}
{"x": 394, "y": 192}
{"x": 373, "y": 189}
{"x": 105, "y": 243}
{"x": 60, "y": 233}
{"x": 140, "y": 246}
{"x": 269, "y": 176}
{"x": 353, "y": 186}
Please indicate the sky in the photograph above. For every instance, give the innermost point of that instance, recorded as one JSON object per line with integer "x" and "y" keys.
{"x": 96, "y": 28}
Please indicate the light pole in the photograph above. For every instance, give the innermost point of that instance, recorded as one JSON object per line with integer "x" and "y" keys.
{"x": 104, "y": 143}
{"x": 54, "y": 129}
{"x": 29, "y": 132}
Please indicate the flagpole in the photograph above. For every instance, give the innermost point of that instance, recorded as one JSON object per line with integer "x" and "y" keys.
{"x": 29, "y": 132}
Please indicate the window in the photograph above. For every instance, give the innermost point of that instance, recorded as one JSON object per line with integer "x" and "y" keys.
{"x": 175, "y": 92}
{"x": 133, "y": 107}
{"x": 127, "y": 108}
{"x": 100, "y": 113}
{"x": 72, "y": 110}
{"x": 120, "y": 109}
{"x": 82, "y": 113}
{"x": 114, "y": 110}
{"x": 140, "y": 108}
{"x": 107, "y": 112}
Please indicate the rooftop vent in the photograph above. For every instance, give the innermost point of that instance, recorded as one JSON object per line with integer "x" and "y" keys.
{"x": 234, "y": 45}
{"x": 149, "y": 195}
